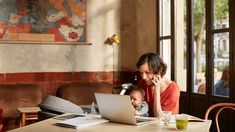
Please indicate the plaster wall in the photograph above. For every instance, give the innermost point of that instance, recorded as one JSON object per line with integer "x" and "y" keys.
{"x": 133, "y": 20}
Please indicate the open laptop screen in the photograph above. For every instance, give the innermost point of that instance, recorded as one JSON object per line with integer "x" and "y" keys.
{"x": 116, "y": 108}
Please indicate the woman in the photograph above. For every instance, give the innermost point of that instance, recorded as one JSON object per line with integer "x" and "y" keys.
{"x": 162, "y": 94}
{"x": 221, "y": 88}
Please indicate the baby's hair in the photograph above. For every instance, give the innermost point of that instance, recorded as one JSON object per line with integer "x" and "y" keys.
{"x": 138, "y": 89}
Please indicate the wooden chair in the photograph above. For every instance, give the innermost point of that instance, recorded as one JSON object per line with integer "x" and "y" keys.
{"x": 221, "y": 107}
{"x": 1, "y": 123}
{"x": 59, "y": 106}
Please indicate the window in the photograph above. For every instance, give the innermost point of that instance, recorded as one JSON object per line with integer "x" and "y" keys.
{"x": 194, "y": 42}
{"x": 165, "y": 33}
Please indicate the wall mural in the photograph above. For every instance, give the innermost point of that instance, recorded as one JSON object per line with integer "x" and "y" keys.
{"x": 43, "y": 21}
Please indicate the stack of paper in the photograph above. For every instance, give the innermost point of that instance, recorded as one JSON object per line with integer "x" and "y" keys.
{"x": 80, "y": 122}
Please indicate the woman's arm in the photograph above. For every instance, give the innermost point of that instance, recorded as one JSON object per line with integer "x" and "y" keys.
{"x": 157, "y": 109}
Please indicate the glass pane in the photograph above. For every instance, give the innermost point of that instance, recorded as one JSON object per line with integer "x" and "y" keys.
{"x": 165, "y": 17}
{"x": 221, "y": 17}
{"x": 199, "y": 56}
{"x": 181, "y": 49}
{"x": 165, "y": 53}
{"x": 221, "y": 65}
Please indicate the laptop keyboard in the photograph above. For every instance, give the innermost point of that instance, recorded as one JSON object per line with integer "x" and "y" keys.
{"x": 139, "y": 120}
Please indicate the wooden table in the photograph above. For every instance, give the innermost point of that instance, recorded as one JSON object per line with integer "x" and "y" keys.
{"x": 154, "y": 126}
{"x": 28, "y": 113}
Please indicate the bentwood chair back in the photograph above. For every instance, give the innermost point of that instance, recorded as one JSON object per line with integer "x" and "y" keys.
{"x": 221, "y": 107}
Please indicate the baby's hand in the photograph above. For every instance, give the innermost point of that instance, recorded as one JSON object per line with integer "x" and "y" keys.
{"x": 137, "y": 113}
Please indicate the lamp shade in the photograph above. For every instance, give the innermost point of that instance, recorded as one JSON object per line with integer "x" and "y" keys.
{"x": 115, "y": 39}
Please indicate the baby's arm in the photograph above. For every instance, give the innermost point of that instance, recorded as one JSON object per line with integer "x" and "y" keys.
{"x": 144, "y": 108}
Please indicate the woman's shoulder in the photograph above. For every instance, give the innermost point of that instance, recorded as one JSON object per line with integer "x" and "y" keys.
{"x": 218, "y": 84}
{"x": 172, "y": 91}
{"x": 172, "y": 86}
{"x": 142, "y": 83}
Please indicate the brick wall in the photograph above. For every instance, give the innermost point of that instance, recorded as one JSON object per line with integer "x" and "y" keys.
{"x": 49, "y": 82}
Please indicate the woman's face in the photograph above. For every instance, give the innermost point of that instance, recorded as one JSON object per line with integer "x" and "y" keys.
{"x": 146, "y": 73}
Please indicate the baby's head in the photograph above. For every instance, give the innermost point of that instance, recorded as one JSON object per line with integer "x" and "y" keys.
{"x": 137, "y": 96}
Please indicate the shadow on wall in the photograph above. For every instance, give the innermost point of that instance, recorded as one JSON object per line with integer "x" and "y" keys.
{"x": 138, "y": 31}
{"x": 128, "y": 29}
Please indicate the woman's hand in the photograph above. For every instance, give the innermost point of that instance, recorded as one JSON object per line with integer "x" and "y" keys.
{"x": 156, "y": 79}
{"x": 157, "y": 82}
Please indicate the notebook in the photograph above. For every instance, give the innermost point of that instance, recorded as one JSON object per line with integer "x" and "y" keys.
{"x": 118, "y": 108}
{"x": 73, "y": 120}
{"x": 81, "y": 122}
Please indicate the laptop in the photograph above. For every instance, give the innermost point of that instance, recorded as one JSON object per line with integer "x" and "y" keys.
{"x": 118, "y": 108}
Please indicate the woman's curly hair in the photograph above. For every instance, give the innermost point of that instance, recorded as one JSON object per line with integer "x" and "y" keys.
{"x": 155, "y": 63}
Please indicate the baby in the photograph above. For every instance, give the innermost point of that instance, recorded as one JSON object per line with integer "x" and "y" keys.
{"x": 137, "y": 99}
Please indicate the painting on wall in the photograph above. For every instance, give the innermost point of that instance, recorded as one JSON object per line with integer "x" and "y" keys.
{"x": 43, "y": 21}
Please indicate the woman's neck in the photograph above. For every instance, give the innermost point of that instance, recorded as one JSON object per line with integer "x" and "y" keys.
{"x": 164, "y": 84}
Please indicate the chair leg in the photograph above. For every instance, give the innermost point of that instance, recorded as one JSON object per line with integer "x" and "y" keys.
{"x": 1, "y": 122}
{"x": 22, "y": 120}
{"x": 1, "y": 128}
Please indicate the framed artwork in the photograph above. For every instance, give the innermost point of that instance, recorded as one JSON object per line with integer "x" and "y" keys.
{"x": 43, "y": 21}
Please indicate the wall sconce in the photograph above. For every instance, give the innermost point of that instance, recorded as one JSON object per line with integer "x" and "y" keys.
{"x": 112, "y": 40}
